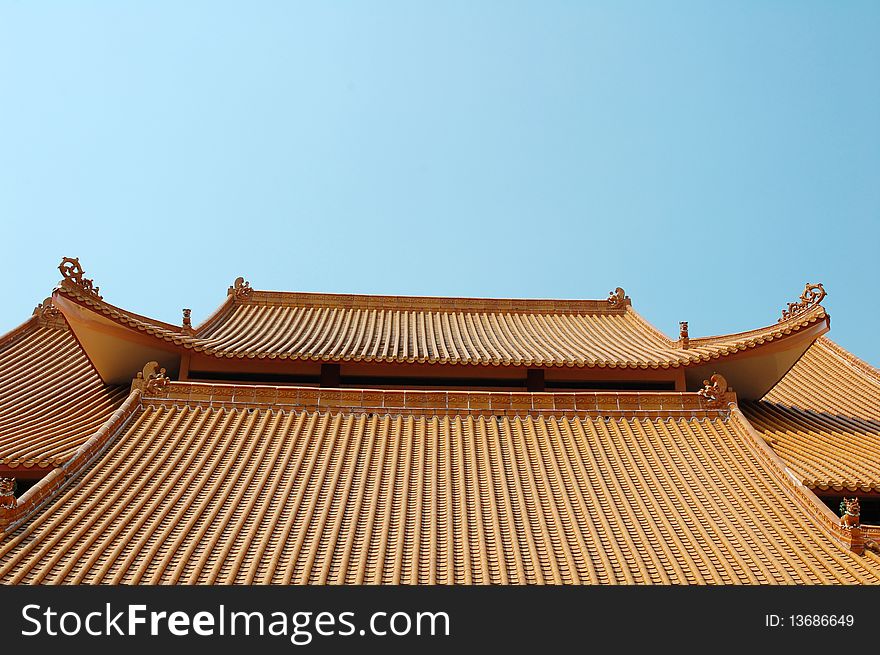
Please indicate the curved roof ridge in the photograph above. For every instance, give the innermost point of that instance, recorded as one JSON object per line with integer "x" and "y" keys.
{"x": 174, "y": 333}
{"x": 650, "y": 326}
{"x": 820, "y": 514}
{"x": 799, "y": 320}
{"x": 432, "y": 303}
{"x": 214, "y": 317}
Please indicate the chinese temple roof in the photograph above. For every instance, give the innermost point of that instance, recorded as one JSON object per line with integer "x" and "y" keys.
{"x": 183, "y": 490}
{"x": 686, "y": 478}
{"x": 593, "y": 334}
{"x": 823, "y": 418}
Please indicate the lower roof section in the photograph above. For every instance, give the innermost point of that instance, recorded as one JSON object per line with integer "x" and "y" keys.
{"x": 823, "y": 419}
{"x": 205, "y": 491}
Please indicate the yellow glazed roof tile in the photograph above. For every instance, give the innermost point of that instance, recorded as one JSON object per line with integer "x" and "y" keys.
{"x": 218, "y": 491}
{"x": 344, "y": 328}
{"x": 823, "y": 418}
{"x": 51, "y": 398}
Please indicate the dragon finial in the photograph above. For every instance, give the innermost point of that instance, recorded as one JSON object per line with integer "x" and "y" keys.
{"x": 813, "y": 295}
{"x": 47, "y": 310}
{"x": 72, "y": 272}
{"x": 617, "y": 298}
{"x": 151, "y": 381}
{"x": 850, "y": 512}
{"x": 241, "y": 288}
{"x": 7, "y": 493}
{"x": 714, "y": 390}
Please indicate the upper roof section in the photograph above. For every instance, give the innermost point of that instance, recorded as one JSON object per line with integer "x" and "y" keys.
{"x": 264, "y": 325}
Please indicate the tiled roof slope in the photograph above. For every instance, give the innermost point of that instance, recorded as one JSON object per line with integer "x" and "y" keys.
{"x": 51, "y": 398}
{"x": 824, "y": 419}
{"x": 203, "y": 492}
{"x": 337, "y": 328}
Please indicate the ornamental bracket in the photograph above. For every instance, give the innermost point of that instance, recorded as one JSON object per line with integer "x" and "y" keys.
{"x": 813, "y": 295}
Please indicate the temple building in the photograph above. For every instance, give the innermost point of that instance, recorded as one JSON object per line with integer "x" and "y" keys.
{"x": 310, "y": 438}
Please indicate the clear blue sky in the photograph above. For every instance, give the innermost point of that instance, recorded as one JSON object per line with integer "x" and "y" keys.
{"x": 711, "y": 158}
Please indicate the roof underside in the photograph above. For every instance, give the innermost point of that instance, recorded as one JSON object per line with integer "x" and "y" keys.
{"x": 195, "y": 493}
{"x": 51, "y": 398}
{"x": 824, "y": 419}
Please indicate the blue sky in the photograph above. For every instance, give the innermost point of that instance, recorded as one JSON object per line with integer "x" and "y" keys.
{"x": 711, "y": 158}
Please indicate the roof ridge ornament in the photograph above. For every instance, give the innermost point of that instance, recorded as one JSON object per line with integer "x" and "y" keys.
{"x": 72, "y": 271}
{"x": 240, "y": 289}
{"x": 715, "y": 390}
{"x": 813, "y": 295}
{"x": 47, "y": 310}
{"x": 7, "y": 493}
{"x": 152, "y": 380}
{"x": 187, "y": 321}
{"x": 850, "y": 512}
{"x": 684, "y": 339}
{"x": 617, "y": 298}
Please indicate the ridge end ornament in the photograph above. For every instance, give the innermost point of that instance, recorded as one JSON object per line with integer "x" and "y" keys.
{"x": 850, "y": 512}
{"x": 152, "y": 380}
{"x": 813, "y": 295}
{"x": 617, "y": 298}
{"x": 714, "y": 390}
{"x": 7, "y": 493}
{"x": 47, "y": 310}
{"x": 241, "y": 288}
{"x": 72, "y": 272}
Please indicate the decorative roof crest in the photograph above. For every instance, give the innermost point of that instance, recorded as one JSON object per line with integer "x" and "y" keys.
{"x": 187, "y": 320}
{"x": 152, "y": 380}
{"x": 241, "y": 288}
{"x": 617, "y": 298}
{"x": 812, "y": 296}
{"x": 714, "y": 390}
{"x": 683, "y": 337}
{"x": 850, "y": 512}
{"x": 47, "y": 310}
{"x": 7, "y": 493}
{"x": 72, "y": 271}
